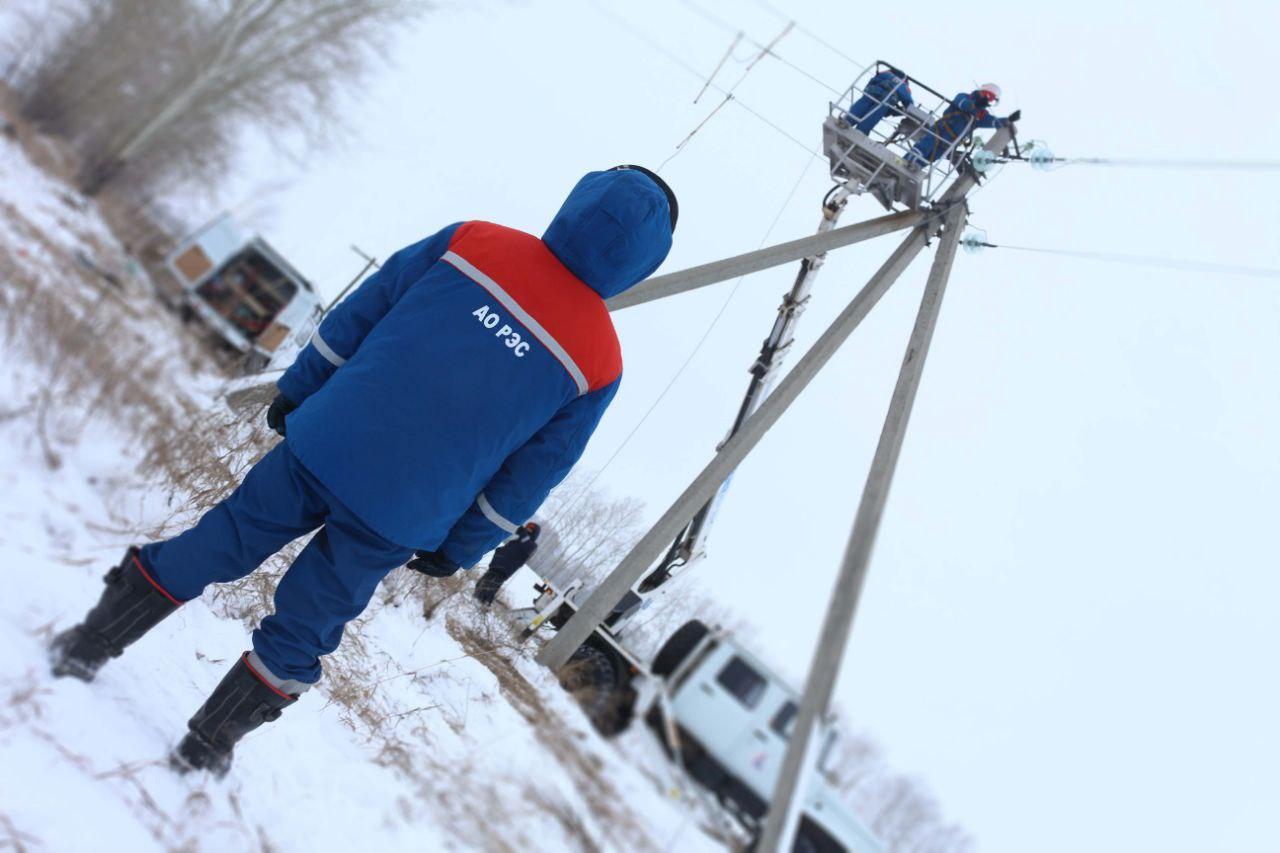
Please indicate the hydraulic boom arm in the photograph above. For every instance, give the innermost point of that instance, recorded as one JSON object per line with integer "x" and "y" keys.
{"x": 690, "y": 545}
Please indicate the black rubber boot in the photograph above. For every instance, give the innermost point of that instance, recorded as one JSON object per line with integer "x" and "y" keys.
{"x": 487, "y": 587}
{"x": 241, "y": 702}
{"x": 131, "y": 605}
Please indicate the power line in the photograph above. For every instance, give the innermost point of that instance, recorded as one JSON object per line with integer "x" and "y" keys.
{"x": 727, "y": 54}
{"x": 680, "y": 146}
{"x": 768, "y": 49}
{"x": 1039, "y": 156}
{"x": 1159, "y": 163}
{"x": 812, "y": 152}
{"x": 728, "y": 96}
{"x": 626, "y": 25}
{"x": 862, "y": 66}
{"x": 837, "y": 92}
{"x": 1145, "y": 260}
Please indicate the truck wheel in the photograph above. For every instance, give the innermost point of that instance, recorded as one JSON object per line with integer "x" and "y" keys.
{"x": 678, "y": 647}
{"x": 590, "y": 677}
{"x": 619, "y": 713}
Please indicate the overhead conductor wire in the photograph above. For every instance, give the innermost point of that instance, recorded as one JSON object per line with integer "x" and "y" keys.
{"x": 1148, "y": 261}
{"x": 654, "y": 44}
{"x": 1161, "y": 163}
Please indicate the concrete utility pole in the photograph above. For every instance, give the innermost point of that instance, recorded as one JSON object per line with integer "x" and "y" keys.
{"x": 604, "y": 598}
{"x": 600, "y": 603}
{"x": 788, "y": 794}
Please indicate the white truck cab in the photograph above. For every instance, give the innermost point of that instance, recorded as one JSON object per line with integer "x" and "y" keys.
{"x": 731, "y": 717}
{"x": 717, "y": 710}
{"x": 244, "y": 291}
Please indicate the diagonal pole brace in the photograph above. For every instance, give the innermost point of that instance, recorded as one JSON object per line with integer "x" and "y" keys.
{"x": 619, "y": 582}
{"x": 780, "y": 822}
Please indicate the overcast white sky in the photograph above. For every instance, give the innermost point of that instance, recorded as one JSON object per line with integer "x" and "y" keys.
{"x": 1069, "y": 626}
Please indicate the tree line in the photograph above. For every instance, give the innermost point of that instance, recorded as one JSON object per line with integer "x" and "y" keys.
{"x": 594, "y": 531}
{"x": 161, "y": 94}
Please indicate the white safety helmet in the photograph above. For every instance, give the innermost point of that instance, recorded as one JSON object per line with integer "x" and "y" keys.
{"x": 991, "y": 90}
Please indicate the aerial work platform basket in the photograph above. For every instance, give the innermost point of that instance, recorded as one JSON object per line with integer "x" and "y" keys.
{"x": 881, "y": 161}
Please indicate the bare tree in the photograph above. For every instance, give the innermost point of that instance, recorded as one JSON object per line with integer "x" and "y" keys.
{"x": 592, "y": 529}
{"x": 901, "y": 810}
{"x": 160, "y": 92}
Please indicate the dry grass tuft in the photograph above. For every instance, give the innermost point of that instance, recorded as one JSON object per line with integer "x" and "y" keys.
{"x": 551, "y": 803}
{"x": 99, "y": 362}
{"x": 25, "y": 701}
{"x": 558, "y": 735}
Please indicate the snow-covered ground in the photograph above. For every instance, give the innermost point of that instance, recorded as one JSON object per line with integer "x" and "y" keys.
{"x": 425, "y": 735}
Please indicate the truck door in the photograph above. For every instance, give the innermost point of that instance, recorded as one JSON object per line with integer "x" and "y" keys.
{"x": 745, "y": 689}
{"x": 717, "y": 703}
{"x": 764, "y": 745}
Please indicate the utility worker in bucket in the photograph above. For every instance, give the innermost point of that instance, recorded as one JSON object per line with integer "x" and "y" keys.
{"x": 883, "y": 95}
{"x": 966, "y": 112}
{"x": 432, "y": 411}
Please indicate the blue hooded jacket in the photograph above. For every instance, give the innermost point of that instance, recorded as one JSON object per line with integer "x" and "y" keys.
{"x": 961, "y": 116}
{"x": 890, "y": 88}
{"x": 444, "y": 399}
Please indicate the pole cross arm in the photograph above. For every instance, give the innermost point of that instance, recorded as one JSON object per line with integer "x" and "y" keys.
{"x": 620, "y": 581}
{"x": 682, "y": 281}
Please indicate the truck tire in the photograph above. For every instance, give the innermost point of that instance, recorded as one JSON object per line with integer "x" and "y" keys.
{"x": 678, "y": 646}
{"x": 592, "y": 680}
{"x": 617, "y": 716}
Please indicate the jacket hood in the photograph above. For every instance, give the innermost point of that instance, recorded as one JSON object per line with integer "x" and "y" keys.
{"x": 612, "y": 231}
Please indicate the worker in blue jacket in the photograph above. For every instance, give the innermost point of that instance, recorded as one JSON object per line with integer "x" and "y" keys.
{"x": 966, "y": 112}
{"x": 432, "y": 412}
{"x": 883, "y": 95}
{"x": 506, "y": 561}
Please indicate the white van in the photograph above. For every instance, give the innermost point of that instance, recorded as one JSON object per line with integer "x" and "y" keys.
{"x": 244, "y": 291}
{"x": 732, "y": 717}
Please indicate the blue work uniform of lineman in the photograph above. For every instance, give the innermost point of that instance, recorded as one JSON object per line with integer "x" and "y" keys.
{"x": 958, "y": 121}
{"x": 883, "y": 94}
{"x": 422, "y": 426}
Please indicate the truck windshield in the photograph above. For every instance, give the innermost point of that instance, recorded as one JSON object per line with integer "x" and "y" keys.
{"x": 740, "y": 679}
{"x": 248, "y": 292}
{"x": 785, "y": 720}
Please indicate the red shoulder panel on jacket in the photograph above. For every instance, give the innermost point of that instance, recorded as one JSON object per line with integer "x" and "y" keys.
{"x": 569, "y": 310}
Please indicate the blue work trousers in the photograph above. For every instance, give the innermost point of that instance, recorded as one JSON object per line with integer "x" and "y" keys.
{"x": 329, "y": 584}
{"x": 926, "y": 151}
{"x": 866, "y": 113}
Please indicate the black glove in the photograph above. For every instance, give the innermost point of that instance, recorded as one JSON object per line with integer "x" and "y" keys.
{"x": 279, "y": 407}
{"x": 433, "y": 564}
{"x": 1016, "y": 115}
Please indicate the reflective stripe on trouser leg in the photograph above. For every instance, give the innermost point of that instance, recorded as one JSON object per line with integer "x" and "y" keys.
{"x": 285, "y": 685}
{"x": 496, "y": 517}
